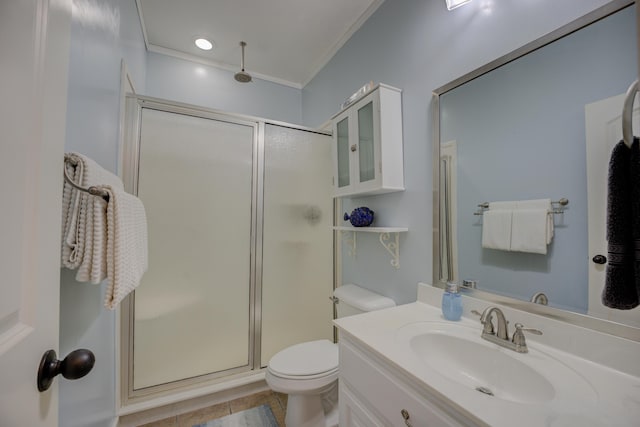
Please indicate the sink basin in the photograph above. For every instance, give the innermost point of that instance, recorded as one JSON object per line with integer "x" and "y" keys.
{"x": 457, "y": 353}
{"x": 481, "y": 368}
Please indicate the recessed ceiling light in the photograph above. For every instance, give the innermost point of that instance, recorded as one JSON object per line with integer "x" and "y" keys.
{"x": 204, "y": 44}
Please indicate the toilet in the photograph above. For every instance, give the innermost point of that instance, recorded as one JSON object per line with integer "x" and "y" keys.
{"x": 308, "y": 372}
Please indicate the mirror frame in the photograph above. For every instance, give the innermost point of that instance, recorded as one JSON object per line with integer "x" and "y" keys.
{"x": 583, "y": 320}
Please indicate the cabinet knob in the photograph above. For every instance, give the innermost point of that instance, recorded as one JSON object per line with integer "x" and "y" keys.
{"x": 405, "y": 415}
{"x": 354, "y": 147}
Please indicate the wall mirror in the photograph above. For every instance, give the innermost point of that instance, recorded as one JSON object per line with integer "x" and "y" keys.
{"x": 538, "y": 123}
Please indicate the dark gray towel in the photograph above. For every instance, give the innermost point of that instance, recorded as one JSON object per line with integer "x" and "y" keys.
{"x": 622, "y": 283}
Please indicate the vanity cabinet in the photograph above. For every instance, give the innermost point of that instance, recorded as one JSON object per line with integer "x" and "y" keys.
{"x": 373, "y": 393}
{"x": 367, "y": 149}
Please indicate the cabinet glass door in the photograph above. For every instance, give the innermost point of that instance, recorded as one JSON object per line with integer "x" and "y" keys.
{"x": 343, "y": 152}
{"x": 366, "y": 157}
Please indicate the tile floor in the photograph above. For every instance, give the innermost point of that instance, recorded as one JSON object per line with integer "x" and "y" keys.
{"x": 277, "y": 401}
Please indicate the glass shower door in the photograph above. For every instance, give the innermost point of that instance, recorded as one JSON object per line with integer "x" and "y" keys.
{"x": 192, "y": 311}
{"x": 297, "y": 246}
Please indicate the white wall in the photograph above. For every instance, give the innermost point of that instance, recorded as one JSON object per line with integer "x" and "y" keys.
{"x": 418, "y": 46}
{"x": 202, "y": 85}
{"x": 103, "y": 32}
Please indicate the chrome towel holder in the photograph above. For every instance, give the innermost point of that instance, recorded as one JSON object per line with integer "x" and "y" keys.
{"x": 94, "y": 191}
{"x": 557, "y": 209}
{"x": 627, "y": 113}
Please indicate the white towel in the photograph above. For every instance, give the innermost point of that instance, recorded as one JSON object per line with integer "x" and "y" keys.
{"x": 544, "y": 204}
{"x": 84, "y": 218}
{"x": 503, "y": 205}
{"x": 126, "y": 245}
{"x": 529, "y": 230}
{"x": 496, "y": 229}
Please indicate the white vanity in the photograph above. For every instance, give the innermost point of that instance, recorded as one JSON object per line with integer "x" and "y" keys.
{"x": 409, "y": 366}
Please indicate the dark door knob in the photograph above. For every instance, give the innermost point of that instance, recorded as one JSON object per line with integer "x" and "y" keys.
{"x": 599, "y": 259}
{"x": 76, "y": 365}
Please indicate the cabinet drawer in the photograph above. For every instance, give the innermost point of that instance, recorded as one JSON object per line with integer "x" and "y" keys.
{"x": 354, "y": 413}
{"x": 386, "y": 394}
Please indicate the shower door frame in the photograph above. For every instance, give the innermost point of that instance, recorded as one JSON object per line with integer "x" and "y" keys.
{"x": 134, "y": 105}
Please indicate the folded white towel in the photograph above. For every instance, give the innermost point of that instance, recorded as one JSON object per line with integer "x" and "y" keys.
{"x": 102, "y": 239}
{"x": 126, "y": 245}
{"x": 541, "y": 204}
{"x": 496, "y": 229}
{"x": 84, "y": 219}
{"x": 529, "y": 230}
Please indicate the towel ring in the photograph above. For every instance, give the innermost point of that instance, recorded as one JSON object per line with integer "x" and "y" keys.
{"x": 94, "y": 191}
{"x": 627, "y": 113}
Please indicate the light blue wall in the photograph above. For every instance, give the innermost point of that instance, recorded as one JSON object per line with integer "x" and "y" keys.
{"x": 412, "y": 44}
{"x": 418, "y": 46}
{"x": 537, "y": 151}
{"x": 193, "y": 83}
{"x": 103, "y": 32}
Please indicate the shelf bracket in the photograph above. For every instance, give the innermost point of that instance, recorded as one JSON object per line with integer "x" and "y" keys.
{"x": 393, "y": 247}
{"x": 390, "y": 243}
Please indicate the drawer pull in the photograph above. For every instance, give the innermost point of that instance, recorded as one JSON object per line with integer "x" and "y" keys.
{"x": 405, "y": 415}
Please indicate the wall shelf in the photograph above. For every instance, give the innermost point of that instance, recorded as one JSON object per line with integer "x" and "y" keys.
{"x": 391, "y": 245}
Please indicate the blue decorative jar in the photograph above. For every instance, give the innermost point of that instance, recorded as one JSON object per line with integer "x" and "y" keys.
{"x": 360, "y": 217}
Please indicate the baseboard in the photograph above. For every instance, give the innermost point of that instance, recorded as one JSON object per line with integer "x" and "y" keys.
{"x": 144, "y": 416}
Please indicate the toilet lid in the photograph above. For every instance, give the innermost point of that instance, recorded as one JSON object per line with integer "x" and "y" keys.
{"x": 308, "y": 358}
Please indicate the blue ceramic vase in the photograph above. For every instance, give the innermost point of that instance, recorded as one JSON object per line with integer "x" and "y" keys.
{"x": 360, "y": 217}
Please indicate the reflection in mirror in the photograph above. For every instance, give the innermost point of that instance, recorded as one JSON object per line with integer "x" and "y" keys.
{"x": 538, "y": 124}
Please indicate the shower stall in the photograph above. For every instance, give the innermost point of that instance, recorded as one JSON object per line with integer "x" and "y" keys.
{"x": 241, "y": 254}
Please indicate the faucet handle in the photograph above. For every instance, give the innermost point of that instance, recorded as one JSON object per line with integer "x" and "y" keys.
{"x": 518, "y": 336}
{"x": 487, "y": 323}
{"x": 488, "y": 326}
{"x": 520, "y": 327}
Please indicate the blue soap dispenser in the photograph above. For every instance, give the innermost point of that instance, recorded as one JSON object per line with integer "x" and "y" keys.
{"x": 451, "y": 302}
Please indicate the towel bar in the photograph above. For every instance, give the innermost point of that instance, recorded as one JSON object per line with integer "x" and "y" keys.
{"x": 562, "y": 202}
{"x": 94, "y": 191}
{"x": 627, "y": 113}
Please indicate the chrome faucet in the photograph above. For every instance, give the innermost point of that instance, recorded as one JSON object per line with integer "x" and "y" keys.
{"x": 501, "y": 335}
{"x": 487, "y": 320}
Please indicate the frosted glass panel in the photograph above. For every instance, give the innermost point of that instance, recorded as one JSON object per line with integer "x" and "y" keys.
{"x": 192, "y": 307}
{"x": 365, "y": 141}
{"x": 343, "y": 152}
{"x": 297, "y": 270}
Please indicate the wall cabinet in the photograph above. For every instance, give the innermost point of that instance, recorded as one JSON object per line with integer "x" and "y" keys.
{"x": 373, "y": 393}
{"x": 367, "y": 152}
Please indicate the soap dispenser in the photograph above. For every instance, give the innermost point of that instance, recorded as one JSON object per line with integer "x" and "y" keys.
{"x": 451, "y": 302}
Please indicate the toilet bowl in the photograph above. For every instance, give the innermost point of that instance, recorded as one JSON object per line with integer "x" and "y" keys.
{"x": 308, "y": 372}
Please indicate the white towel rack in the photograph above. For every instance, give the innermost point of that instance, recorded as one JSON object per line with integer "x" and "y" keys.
{"x": 563, "y": 202}
{"x": 627, "y": 113}
{"x": 94, "y": 191}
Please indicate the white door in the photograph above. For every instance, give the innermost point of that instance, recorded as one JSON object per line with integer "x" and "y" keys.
{"x": 34, "y": 55}
{"x": 603, "y": 132}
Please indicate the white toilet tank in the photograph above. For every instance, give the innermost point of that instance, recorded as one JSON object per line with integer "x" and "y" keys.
{"x": 352, "y": 299}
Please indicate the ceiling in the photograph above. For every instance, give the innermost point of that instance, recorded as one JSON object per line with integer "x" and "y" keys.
{"x": 288, "y": 41}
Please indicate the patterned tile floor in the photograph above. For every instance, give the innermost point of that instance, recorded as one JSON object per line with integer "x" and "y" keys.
{"x": 277, "y": 401}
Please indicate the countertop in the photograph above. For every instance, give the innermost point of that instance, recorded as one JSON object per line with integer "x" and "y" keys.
{"x": 607, "y": 397}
